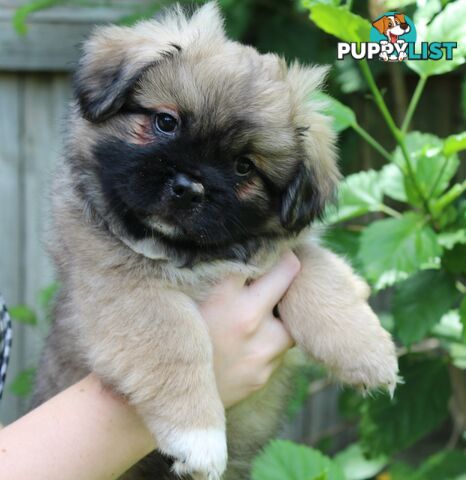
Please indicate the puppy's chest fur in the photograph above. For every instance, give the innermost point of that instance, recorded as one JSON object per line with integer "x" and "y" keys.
{"x": 198, "y": 280}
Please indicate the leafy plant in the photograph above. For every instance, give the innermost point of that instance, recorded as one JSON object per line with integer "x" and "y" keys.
{"x": 22, "y": 384}
{"x": 403, "y": 227}
{"x": 283, "y": 460}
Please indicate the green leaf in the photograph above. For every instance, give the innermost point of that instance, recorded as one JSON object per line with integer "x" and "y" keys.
{"x": 449, "y": 239}
{"x": 454, "y": 260}
{"x": 457, "y": 353}
{"x": 424, "y": 13}
{"x": 449, "y": 328}
{"x": 356, "y": 466}
{"x": 392, "y": 182}
{"x": 340, "y": 22}
{"x": 447, "y": 26}
{"x": 448, "y": 198}
{"x": 394, "y": 248}
{"x": 348, "y": 76}
{"x": 462, "y": 213}
{"x": 417, "y": 143}
{"x": 419, "y": 406}
{"x": 446, "y": 217}
{"x": 21, "y": 385}
{"x": 463, "y": 98}
{"x": 343, "y": 242}
{"x": 387, "y": 321}
{"x": 311, "y": 3}
{"x": 419, "y": 303}
{"x": 432, "y": 168}
{"x": 395, "y": 4}
{"x": 284, "y": 460}
{"x": 322, "y": 476}
{"x": 23, "y": 314}
{"x": 462, "y": 313}
{"x": 445, "y": 465}
{"x": 343, "y": 116}
{"x": 454, "y": 143}
{"x": 47, "y": 294}
{"x": 358, "y": 194}
{"x": 400, "y": 471}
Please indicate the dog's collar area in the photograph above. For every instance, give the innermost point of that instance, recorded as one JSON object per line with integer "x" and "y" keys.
{"x": 146, "y": 247}
{"x": 157, "y": 250}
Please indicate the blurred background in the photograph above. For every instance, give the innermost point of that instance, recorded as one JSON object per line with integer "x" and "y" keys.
{"x": 39, "y": 45}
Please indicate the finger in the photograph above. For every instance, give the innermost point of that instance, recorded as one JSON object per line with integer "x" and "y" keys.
{"x": 270, "y": 288}
{"x": 275, "y": 337}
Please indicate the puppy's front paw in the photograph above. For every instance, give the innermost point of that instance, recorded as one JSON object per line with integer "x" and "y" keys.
{"x": 202, "y": 454}
{"x": 371, "y": 365}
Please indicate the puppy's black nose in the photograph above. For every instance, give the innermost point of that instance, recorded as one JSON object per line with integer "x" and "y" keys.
{"x": 186, "y": 192}
{"x": 404, "y": 26}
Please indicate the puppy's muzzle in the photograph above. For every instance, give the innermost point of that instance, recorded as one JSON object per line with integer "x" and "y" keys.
{"x": 185, "y": 192}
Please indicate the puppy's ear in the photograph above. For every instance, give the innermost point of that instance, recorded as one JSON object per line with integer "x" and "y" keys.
{"x": 302, "y": 202}
{"x": 381, "y": 24}
{"x": 400, "y": 17}
{"x": 115, "y": 57}
{"x": 315, "y": 180}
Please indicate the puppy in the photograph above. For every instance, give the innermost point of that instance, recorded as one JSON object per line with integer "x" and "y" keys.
{"x": 190, "y": 157}
{"x": 392, "y": 26}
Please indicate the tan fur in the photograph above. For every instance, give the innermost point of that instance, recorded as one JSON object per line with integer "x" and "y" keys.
{"x": 129, "y": 313}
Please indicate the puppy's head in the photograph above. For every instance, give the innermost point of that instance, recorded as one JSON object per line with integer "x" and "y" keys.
{"x": 185, "y": 136}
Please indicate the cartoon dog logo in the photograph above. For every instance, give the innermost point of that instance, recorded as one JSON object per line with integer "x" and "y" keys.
{"x": 393, "y": 27}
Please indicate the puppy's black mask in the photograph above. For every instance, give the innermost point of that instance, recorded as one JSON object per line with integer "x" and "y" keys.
{"x": 138, "y": 183}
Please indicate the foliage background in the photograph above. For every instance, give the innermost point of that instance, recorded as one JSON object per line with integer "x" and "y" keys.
{"x": 401, "y": 221}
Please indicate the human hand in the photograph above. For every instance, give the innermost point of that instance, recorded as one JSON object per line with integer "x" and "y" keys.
{"x": 249, "y": 341}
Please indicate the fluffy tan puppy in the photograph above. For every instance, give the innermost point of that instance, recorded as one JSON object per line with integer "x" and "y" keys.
{"x": 190, "y": 157}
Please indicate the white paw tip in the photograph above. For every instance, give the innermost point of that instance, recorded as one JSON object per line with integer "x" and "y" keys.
{"x": 199, "y": 453}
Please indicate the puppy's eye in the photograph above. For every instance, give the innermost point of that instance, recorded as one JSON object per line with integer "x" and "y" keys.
{"x": 243, "y": 166}
{"x": 166, "y": 123}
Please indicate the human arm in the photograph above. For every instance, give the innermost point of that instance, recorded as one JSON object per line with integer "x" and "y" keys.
{"x": 86, "y": 431}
